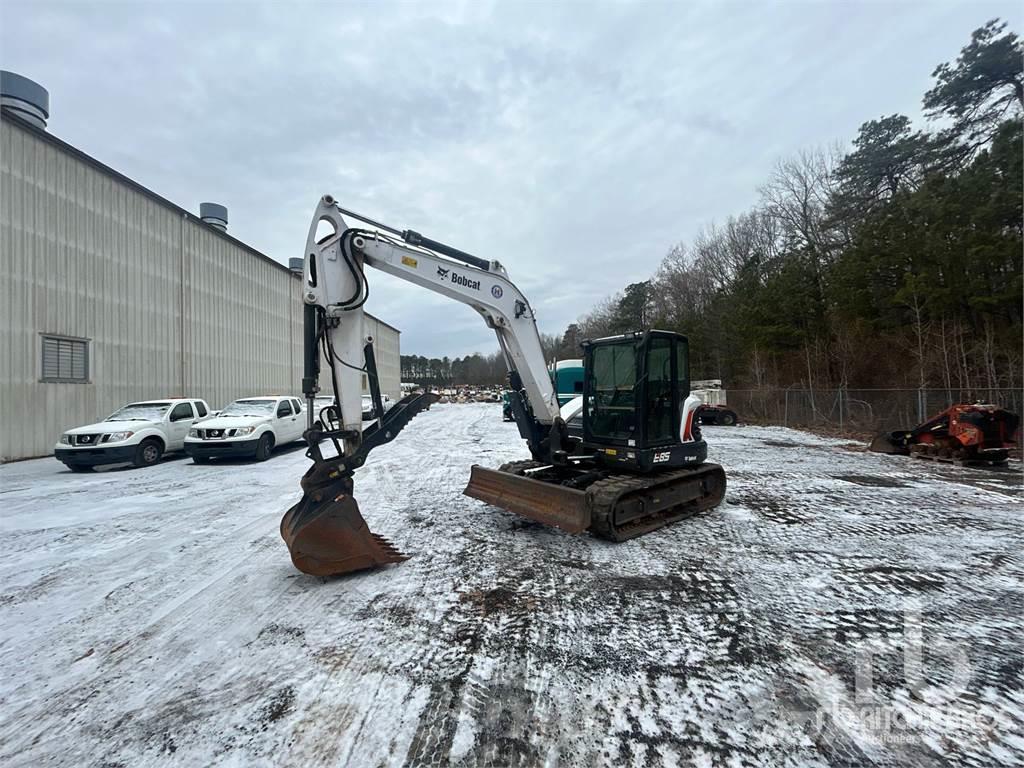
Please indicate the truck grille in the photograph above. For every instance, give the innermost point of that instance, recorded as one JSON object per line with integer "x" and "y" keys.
{"x": 86, "y": 439}
{"x": 215, "y": 434}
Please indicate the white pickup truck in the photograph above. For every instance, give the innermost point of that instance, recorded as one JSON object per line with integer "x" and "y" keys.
{"x": 251, "y": 426}
{"x": 369, "y": 412}
{"x": 139, "y": 432}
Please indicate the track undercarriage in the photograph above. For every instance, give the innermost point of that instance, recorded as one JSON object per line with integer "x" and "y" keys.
{"x": 612, "y": 505}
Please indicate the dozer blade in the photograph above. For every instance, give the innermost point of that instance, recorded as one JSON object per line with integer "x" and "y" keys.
{"x": 328, "y": 538}
{"x": 888, "y": 443}
{"x": 547, "y": 503}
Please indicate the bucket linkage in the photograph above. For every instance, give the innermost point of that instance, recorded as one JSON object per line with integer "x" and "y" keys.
{"x": 325, "y": 531}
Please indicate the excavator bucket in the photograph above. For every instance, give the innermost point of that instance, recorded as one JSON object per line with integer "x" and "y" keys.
{"x": 325, "y": 533}
{"x": 328, "y": 538}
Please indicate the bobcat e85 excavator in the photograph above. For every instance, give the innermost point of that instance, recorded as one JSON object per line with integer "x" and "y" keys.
{"x": 638, "y": 465}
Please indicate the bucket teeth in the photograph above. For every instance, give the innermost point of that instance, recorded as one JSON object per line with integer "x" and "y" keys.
{"x": 389, "y": 550}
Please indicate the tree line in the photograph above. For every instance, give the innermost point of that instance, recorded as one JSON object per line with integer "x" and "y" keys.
{"x": 474, "y": 369}
{"x": 894, "y": 263}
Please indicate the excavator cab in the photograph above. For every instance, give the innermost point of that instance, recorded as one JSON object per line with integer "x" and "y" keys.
{"x": 635, "y": 391}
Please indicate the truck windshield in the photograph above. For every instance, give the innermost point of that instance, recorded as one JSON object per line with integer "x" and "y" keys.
{"x": 140, "y": 412}
{"x": 250, "y": 408}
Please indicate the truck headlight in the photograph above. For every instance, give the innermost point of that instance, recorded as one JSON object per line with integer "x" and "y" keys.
{"x": 244, "y": 431}
{"x": 65, "y": 439}
{"x": 117, "y": 437}
{"x": 193, "y": 433}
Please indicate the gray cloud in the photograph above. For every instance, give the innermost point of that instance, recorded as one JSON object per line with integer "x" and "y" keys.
{"x": 574, "y": 142}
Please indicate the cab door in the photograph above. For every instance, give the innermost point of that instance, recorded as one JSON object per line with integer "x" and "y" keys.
{"x": 180, "y": 421}
{"x": 300, "y": 416}
{"x": 288, "y": 426}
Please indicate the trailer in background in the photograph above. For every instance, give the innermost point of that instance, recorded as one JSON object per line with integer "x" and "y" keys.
{"x": 715, "y": 409}
{"x": 567, "y": 376}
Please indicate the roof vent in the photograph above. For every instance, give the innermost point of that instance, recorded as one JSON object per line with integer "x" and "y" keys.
{"x": 25, "y": 98}
{"x": 296, "y": 263}
{"x": 214, "y": 214}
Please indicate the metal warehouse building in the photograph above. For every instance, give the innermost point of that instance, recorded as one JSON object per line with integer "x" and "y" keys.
{"x": 112, "y": 293}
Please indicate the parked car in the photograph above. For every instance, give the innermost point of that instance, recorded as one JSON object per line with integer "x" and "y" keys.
{"x": 138, "y": 432}
{"x": 250, "y": 427}
{"x": 368, "y": 409}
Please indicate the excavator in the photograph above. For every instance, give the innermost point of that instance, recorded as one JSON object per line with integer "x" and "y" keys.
{"x": 637, "y": 464}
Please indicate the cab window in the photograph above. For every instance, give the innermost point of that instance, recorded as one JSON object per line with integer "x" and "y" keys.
{"x": 182, "y": 411}
{"x": 200, "y": 408}
{"x": 660, "y": 405}
{"x": 610, "y": 392}
{"x": 296, "y": 406}
{"x": 284, "y": 409}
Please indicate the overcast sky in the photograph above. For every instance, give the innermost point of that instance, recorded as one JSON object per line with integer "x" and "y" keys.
{"x": 575, "y": 142}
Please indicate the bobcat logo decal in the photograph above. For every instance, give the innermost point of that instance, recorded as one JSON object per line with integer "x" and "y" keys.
{"x": 442, "y": 273}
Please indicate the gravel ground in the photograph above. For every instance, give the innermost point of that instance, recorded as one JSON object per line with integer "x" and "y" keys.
{"x": 840, "y": 608}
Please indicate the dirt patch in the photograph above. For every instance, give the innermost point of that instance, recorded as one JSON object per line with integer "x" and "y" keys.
{"x": 871, "y": 481}
{"x": 277, "y": 634}
{"x": 279, "y": 705}
{"x": 775, "y": 509}
{"x": 854, "y": 447}
{"x": 789, "y": 444}
{"x": 499, "y": 600}
{"x": 34, "y": 591}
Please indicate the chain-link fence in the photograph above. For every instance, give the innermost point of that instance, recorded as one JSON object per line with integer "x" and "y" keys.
{"x": 859, "y": 410}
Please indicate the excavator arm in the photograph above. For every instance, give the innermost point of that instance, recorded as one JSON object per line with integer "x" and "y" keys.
{"x": 325, "y": 532}
{"x": 336, "y": 284}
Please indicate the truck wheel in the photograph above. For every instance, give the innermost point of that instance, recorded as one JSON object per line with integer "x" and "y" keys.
{"x": 148, "y": 453}
{"x": 726, "y": 418}
{"x": 264, "y": 446}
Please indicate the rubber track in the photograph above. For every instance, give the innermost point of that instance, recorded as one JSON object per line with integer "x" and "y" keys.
{"x": 605, "y": 494}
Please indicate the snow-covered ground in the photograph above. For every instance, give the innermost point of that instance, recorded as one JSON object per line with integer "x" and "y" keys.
{"x": 152, "y": 617}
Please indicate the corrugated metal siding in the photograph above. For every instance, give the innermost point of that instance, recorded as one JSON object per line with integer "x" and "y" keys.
{"x": 238, "y": 327}
{"x": 168, "y": 306}
{"x": 386, "y": 353}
